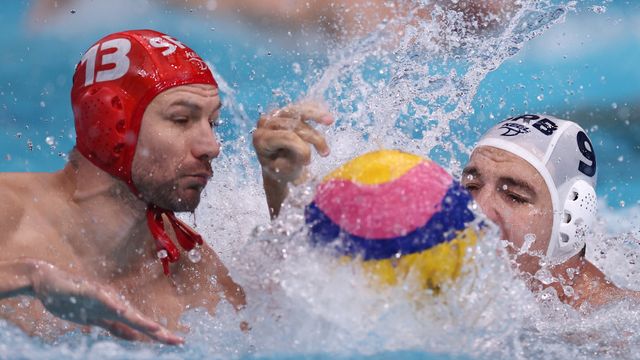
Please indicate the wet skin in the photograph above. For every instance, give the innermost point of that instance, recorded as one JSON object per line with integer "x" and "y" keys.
{"x": 88, "y": 226}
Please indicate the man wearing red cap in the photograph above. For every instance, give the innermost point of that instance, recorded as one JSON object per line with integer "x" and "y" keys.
{"x": 95, "y": 243}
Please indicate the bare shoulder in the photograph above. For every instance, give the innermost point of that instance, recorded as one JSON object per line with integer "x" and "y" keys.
{"x": 20, "y": 195}
{"x": 597, "y": 290}
{"x": 18, "y": 187}
{"x": 12, "y": 204}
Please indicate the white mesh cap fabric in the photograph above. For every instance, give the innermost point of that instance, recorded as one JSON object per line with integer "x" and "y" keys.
{"x": 564, "y": 156}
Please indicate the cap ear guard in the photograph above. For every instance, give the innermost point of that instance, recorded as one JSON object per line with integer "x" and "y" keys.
{"x": 579, "y": 207}
{"x": 104, "y": 121}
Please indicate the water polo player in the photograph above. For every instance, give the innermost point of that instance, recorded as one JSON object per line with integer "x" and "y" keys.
{"x": 83, "y": 239}
{"x": 533, "y": 175}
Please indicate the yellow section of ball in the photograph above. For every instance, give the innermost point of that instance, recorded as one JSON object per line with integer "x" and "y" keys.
{"x": 376, "y": 167}
{"x": 430, "y": 268}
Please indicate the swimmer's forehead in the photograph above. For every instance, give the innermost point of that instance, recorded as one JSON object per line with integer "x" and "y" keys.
{"x": 192, "y": 95}
{"x": 509, "y": 169}
{"x": 498, "y": 155}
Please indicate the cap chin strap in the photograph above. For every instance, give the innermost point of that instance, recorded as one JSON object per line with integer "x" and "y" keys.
{"x": 166, "y": 250}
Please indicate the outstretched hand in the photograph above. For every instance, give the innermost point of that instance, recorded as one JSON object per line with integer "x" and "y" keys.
{"x": 283, "y": 141}
{"x": 83, "y": 302}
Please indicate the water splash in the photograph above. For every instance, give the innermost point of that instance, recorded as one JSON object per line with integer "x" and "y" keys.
{"x": 409, "y": 84}
{"x": 417, "y": 75}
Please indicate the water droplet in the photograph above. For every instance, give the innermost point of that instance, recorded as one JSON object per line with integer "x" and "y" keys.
{"x": 529, "y": 239}
{"x": 194, "y": 255}
{"x": 50, "y": 140}
{"x": 296, "y": 68}
{"x": 544, "y": 276}
{"x": 599, "y": 9}
{"x": 73, "y": 300}
{"x": 505, "y": 187}
{"x": 622, "y": 203}
{"x": 73, "y": 11}
{"x": 614, "y": 106}
{"x": 162, "y": 254}
{"x": 540, "y": 97}
{"x": 42, "y": 104}
{"x": 568, "y": 291}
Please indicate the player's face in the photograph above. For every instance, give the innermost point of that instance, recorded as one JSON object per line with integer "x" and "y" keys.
{"x": 513, "y": 194}
{"x": 172, "y": 163}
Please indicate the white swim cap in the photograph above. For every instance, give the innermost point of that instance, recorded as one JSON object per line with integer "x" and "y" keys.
{"x": 564, "y": 156}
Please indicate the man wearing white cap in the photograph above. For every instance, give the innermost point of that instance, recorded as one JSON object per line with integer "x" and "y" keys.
{"x": 535, "y": 176}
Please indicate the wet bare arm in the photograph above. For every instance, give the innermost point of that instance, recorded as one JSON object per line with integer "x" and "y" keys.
{"x": 76, "y": 299}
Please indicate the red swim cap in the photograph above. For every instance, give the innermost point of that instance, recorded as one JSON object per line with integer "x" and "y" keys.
{"x": 113, "y": 84}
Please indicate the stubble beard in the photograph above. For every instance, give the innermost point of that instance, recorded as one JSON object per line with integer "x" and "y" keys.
{"x": 165, "y": 193}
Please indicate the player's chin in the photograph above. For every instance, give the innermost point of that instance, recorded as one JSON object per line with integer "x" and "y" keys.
{"x": 188, "y": 199}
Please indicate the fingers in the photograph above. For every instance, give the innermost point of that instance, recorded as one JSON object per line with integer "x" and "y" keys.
{"x": 120, "y": 330}
{"x": 304, "y": 131}
{"x": 132, "y": 318}
{"x": 316, "y": 114}
{"x": 274, "y": 142}
{"x": 312, "y": 136}
{"x": 127, "y": 322}
{"x": 305, "y": 111}
{"x": 167, "y": 337}
{"x": 135, "y": 319}
{"x": 124, "y": 331}
{"x": 102, "y": 306}
{"x": 282, "y": 140}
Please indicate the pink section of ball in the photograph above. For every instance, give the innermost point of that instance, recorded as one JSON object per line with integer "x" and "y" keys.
{"x": 386, "y": 210}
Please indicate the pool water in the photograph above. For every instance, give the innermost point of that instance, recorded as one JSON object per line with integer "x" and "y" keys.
{"x": 394, "y": 89}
